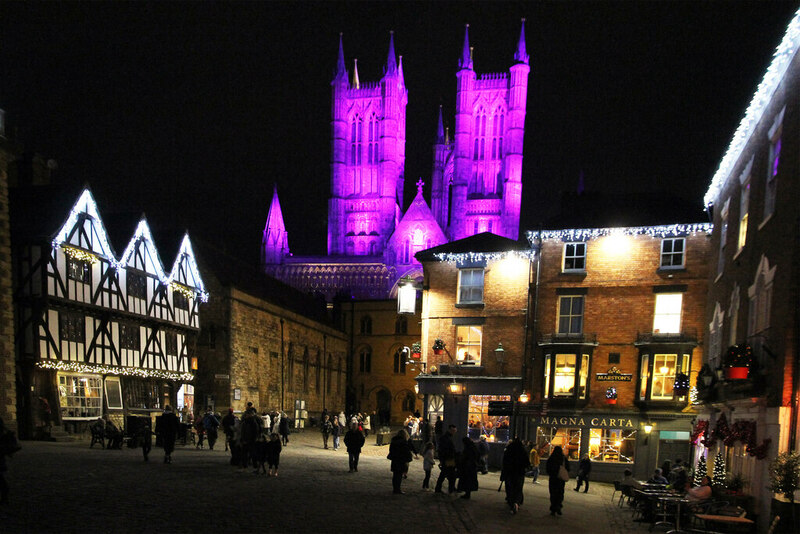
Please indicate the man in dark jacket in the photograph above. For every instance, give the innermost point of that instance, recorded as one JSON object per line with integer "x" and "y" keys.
{"x": 228, "y": 422}
{"x": 447, "y": 461}
{"x": 210, "y": 425}
{"x": 353, "y": 440}
{"x": 251, "y": 430}
{"x": 515, "y": 464}
{"x": 326, "y": 427}
{"x": 167, "y": 426}
{"x": 468, "y": 468}
{"x": 400, "y": 455}
{"x": 584, "y": 468}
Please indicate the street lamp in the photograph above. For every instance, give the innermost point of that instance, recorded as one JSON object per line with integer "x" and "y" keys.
{"x": 500, "y": 356}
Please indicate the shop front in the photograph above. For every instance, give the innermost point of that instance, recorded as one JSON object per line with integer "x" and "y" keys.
{"x": 613, "y": 441}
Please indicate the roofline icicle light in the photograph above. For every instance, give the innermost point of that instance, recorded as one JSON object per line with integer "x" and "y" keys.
{"x": 586, "y": 234}
{"x": 87, "y": 205}
{"x": 772, "y": 79}
{"x": 461, "y": 257}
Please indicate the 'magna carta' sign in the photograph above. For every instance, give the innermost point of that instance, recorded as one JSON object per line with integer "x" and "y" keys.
{"x": 613, "y": 375}
{"x": 566, "y": 420}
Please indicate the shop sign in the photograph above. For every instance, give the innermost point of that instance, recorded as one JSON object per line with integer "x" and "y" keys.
{"x": 613, "y": 375}
{"x": 567, "y": 420}
{"x": 222, "y": 377}
{"x": 501, "y": 407}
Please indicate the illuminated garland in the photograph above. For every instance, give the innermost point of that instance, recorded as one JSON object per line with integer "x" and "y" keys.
{"x": 182, "y": 289}
{"x": 78, "y": 367}
{"x": 87, "y": 206}
{"x": 587, "y": 234}
{"x": 761, "y": 99}
{"x": 462, "y": 257}
{"x": 80, "y": 255}
{"x": 744, "y": 431}
{"x": 693, "y": 396}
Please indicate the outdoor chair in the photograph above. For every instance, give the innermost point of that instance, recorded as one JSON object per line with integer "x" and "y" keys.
{"x": 617, "y": 488}
{"x": 98, "y": 436}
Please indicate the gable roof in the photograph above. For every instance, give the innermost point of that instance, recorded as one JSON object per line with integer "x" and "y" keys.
{"x": 485, "y": 243}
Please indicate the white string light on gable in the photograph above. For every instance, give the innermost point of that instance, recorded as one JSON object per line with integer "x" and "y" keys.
{"x": 587, "y": 234}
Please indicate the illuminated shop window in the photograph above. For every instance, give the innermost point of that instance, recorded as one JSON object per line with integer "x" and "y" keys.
{"x": 468, "y": 344}
{"x": 494, "y": 427}
{"x": 672, "y": 252}
{"x": 574, "y": 257}
{"x": 80, "y": 396}
{"x": 615, "y": 445}
{"x": 549, "y": 437}
{"x": 668, "y": 313}
{"x": 470, "y": 286}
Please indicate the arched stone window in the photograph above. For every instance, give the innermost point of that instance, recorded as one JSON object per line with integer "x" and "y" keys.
{"x": 366, "y": 324}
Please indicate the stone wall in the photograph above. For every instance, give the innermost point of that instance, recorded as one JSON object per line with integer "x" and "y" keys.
{"x": 8, "y": 395}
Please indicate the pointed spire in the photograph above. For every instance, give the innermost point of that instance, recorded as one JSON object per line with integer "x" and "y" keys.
{"x": 340, "y": 69}
{"x": 440, "y": 128}
{"x": 391, "y": 59}
{"x": 356, "y": 83}
{"x": 466, "y": 54}
{"x": 521, "y": 56}
{"x": 275, "y": 243}
{"x": 401, "y": 78}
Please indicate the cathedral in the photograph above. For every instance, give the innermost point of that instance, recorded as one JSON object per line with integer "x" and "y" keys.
{"x": 476, "y": 179}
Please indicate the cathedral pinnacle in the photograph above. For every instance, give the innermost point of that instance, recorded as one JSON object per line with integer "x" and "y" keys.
{"x": 400, "y": 78}
{"x": 391, "y": 60}
{"x": 420, "y": 184}
{"x": 340, "y": 70}
{"x": 356, "y": 83}
{"x": 440, "y": 128}
{"x": 466, "y": 54}
{"x": 521, "y": 56}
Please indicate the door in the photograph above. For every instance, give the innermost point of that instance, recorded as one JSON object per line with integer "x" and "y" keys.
{"x": 383, "y": 401}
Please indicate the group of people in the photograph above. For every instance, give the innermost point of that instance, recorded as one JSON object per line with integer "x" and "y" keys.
{"x": 336, "y": 426}
{"x": 256, "y": 440}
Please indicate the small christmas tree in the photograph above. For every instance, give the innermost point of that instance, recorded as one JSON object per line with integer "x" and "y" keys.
{"x": 700, "y": 471}
{"x": 719, "y": 471}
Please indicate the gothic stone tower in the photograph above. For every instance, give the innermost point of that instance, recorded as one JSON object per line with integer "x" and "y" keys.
{"x": 477, "y": 183}
{"x": 367, "y": 158}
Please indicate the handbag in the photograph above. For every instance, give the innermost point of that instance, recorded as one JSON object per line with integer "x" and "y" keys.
{"x": 563, "y": 474}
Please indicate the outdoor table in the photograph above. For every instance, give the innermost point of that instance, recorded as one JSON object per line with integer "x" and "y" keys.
{"x": 677, "y": 501}
{"x": 725, "y": 519}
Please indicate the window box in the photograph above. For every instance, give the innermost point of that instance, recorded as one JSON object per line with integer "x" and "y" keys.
{"x": 738, "y": 360}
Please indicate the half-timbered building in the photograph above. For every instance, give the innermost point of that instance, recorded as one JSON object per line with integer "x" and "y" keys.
{"x": 98, "y": 332}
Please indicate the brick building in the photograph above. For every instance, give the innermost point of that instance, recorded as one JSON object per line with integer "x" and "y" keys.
{"x": 266, "y": 343}
{"x": 619, "y": 312}
{"x": 752, "y": 311}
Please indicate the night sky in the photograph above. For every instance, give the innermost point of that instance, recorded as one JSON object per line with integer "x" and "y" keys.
{"x": 191, "y": 112}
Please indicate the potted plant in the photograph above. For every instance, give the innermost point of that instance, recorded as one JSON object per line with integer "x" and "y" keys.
{"x": 735, "y": 482}
{"x": 611, "y": 395}
{"x": 784, "y": 478}
{"x": 681, "y": 386}
{"x": 438, "y": 346}
{"x": 416, "y": 350}
{"x": 737, "y": 362}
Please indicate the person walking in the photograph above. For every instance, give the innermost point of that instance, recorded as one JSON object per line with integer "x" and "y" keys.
{"x": 483, "y": 455}
{"x": 354, "y": 441}
{"x": 283, "y": 430}
{"x": 427, "y": 464}
{"x": 210, "y": 425}
{"x": 200, "y": 430}
{"x": 146, "y": 436}
{"x": 515, "y": 463}
{"x": 365, "y": 424}
{"x": 584, "y": 468}
{"x": 326, "y": 428}
{"x": 554, "y": 464}
{"x": 251, "y": 430}
{"x": 336, "y": 431}
{"x": 228, "y": 423}
{"x": 274, "y": 454}
{"x": 8, "y": 446}
{"x": 533, "y": 458}
{"x": 447, "y": 461}
{"x": 468, "y": 468}
{"x": 169, "y": 431}
{"x": 400, "y": 455}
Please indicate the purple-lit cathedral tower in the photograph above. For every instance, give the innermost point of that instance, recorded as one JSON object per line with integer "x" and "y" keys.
{"x": 476, "y": 180}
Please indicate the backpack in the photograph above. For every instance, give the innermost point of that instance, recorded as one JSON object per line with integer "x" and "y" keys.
{"x": 8, "y": 443}
{"x": 210, "y": 422}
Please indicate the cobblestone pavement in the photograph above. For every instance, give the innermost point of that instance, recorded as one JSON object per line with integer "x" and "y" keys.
{"x": 68, "y": 487}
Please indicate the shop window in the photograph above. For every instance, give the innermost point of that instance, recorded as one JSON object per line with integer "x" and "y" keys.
{"x": 113, "y": 393}
{"x": 71, "y": 326}
{"x": 470, "y": 286}
{"x": 480, "y": 423}
{"x": 186, "y": 399}
{"x": 365, "y": 361}
{"x": 468, "y": 344}
{"x": 137, "y": 284}
{"x": 570, "y": 314}
{"x": 550, "y": 437}
{"x": 79, "y": 270}
{"x": 615, "y": 445}
{"x": 672, "y": 252}
{"x": 574, "y": 257}
{"x": 667, "y": 319}
{"x": 141, "y": 394}
{"x": 80, "y": 396}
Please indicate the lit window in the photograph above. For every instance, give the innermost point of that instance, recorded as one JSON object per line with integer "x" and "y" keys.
{"x": 470, "y": 286}
{"x": 480, "y": 423}
{"x": 564, "y": 382}
{"x": 672, "y": 255}
{"x": 645, "y": 376}
{"x": 570, "y": 315}
{"x": 574, "y": 257}
{"x": 80, "y": 396}
{"x": 723, "y": 237}
{"x": 612, "y": 445}
{"x": 468, "y": 344}
{"x": 665, "y": 367}
{"x": 549, "y": 437}
{"x": 772, "y": 175}
{"x": 78, "y": 270}
{"x": 744, "y": 206}
{"x": 668, "y": 313}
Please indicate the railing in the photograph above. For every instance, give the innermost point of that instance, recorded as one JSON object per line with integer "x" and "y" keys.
{"x": 688, "y": 335}
{"x": 568, "y": 339}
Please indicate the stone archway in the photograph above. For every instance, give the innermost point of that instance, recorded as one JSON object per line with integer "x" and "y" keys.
{"x": 383, "y": 406}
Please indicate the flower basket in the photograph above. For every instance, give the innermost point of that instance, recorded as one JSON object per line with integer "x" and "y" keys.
{"x": 611, "y": 401}
{"x": 438, "y": 346}
{"x": 611, "y": 395}
{"x": 416, "y": 355}
{"x": 738, "y": 360}
{"x": 416, "y": 350}
{"x": 736, "y": 373}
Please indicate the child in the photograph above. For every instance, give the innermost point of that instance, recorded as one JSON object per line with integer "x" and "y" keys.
{"x": 262, "y": 450}
{"x": 427, "y": 464}
{"x": 274, "y": 453}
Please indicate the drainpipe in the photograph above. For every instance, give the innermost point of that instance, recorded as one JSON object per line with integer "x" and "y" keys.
{"x": 283, "y": 374}
{"x": 324, "y": 366}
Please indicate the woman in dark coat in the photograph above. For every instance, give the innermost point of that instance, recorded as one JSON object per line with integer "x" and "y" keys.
{"x": 354, "y": 441}
{"x": 468, "y": 468}
{"x": 554, "y": 463}
{"x": 400, "y": 455}
{"x": 515, "y": 464}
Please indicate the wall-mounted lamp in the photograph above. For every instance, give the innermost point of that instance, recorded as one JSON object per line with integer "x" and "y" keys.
{"x": 194, "y": 364}
{"x": 456, "y": 388}
{"x": 406, "y": 296}
{"x": 416, "y": 389}
{"x": 524, "y": 397}
{"x": 500, "y": 356}
{"x": 648, "y": 427}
